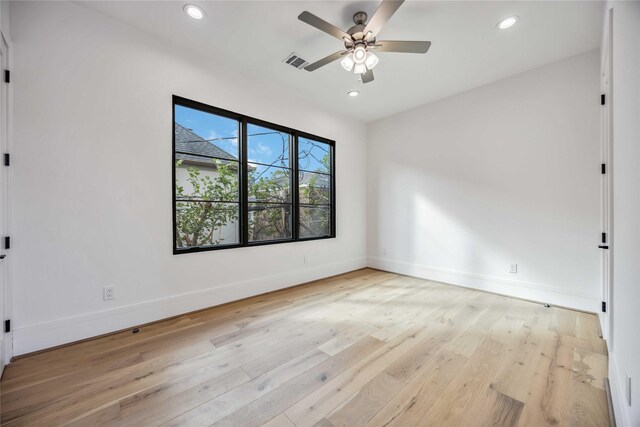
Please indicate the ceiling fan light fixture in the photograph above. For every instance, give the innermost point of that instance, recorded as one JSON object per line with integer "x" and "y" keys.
{"x": 360, "y": 69}
{"x": 371, "y": 61}
{"x": 347, "y": 62}
{"x": 359, "y": 54}
{"x": 507, "y": 23}
{"x": 359, "y": 39}
{"x": 193, "y": 11}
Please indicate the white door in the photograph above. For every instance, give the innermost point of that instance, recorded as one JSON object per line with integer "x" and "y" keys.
{"x": 4, "y": 137}
{"x": 606, "y": 247}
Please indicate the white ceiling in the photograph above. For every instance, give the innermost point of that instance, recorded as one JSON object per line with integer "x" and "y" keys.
{"x": 253, "y": 37}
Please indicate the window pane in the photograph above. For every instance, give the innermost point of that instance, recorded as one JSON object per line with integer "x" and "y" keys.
{"x": 206, "y": 224}
{"x": 212, "y": 180}
{"x": 268, "y": 146}
{"x": 207, "y": 171}
{"x": 314, "y": 221}
{"x": 269, "y": 222}
{"x": 314, "y": 188}
{"x": 269, "y": 184}
{"x": 204, "y": 135}
{"x": 314, "y": 156}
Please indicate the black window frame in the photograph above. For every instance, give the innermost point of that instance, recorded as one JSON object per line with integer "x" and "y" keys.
{"x": 243, "y": 162}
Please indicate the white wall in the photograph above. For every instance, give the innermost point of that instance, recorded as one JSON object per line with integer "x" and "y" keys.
{"x": 92, "y": 180}
{"x": 4, "y": 18}
{"x": 461, "y": 188}
{"x": 624, "y": 356}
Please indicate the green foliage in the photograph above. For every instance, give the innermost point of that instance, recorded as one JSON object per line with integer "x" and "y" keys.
{"x": 199, "y": 220}
{"x": 269, "y": 222}
{"x": 315, "y": 221}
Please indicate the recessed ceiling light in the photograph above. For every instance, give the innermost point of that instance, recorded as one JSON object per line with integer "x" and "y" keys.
{"x": 507, "y": 22}
{"x": 353, "y": 93}
{"x": 194, "y": 11}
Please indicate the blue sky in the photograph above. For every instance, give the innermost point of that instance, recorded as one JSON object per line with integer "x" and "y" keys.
{"x": 210, "y": 126}
{"x": 264, "y": 145}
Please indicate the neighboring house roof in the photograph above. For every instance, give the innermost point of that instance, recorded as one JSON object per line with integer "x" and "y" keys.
{"x": 195, "y": 149}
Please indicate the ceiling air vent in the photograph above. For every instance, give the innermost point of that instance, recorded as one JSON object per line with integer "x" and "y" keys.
{"x": 295, "y": 61}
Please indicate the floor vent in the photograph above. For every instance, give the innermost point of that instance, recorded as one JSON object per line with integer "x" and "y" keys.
{"x": 295, "y": 61}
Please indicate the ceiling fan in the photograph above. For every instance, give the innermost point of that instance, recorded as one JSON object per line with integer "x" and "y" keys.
{"x": 360, "y": 40}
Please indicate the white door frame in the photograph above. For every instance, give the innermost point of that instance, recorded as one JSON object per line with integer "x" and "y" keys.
{"x": 606, "y": 183}
{"x": 6, "y": 349}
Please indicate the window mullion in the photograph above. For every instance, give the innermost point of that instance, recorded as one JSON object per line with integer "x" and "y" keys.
{"x": 244, "y": 187}
{"x": 296, "y": 187}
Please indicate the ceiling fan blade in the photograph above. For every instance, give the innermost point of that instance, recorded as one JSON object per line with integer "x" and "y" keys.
{"x": 323, "y": 25}
{"x": 384, "y": 12}
{"x": 402, "y": 46}
{"x": 367, "y": 77}
{"x": 324, "y": 61}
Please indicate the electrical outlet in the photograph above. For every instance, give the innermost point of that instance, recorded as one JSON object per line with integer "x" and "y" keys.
{"x": 307, "y": 260}
{"x": 383, "y": 251}
{"x": 628, "y": 389}
{"x": 108, "y": 292}
{"x": 513, "y": 268}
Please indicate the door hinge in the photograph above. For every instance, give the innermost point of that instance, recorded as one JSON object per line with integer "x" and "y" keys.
{"x": 7, "y": 242}
{"x": 7, "y": 326}
{"x": 604, "y": 307}
{"x": 7, "y": 159}
{"x": 604, "y": 237}
{"x": 602, "y": 99}
{"x": 603, "y": 168}
{"x": 7, "y": 76}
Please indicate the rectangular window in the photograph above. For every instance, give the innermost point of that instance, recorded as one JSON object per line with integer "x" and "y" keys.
{"x": 314, "y": 188}
{"x": 269, "y": 180}
{"x": 239, "y": 181}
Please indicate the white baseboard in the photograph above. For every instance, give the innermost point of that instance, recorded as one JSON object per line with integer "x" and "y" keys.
{"x": 616, "y": 381}
{"x": 40, "y": 336}
{"x": 552, "y": 295}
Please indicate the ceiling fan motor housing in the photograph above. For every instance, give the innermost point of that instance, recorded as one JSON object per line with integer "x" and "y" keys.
{"x": 359, "y": 18}
{"x": 357, "y": 32}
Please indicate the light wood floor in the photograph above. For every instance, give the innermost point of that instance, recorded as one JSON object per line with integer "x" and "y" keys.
{"x": 367, "y": 347}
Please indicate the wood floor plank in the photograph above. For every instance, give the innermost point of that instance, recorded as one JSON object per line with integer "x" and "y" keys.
{"x": 73, "y": 394}
{"x": 214, "y": 409}
{"x": 367, "y": 401}
{"x": 409, "y": 406}
{"x": 516, "y": 375}
{"x": 280, "y": 421}
{"x": 321, "y": 402}
{"x": 496, "y": 409}
{"x": 363, "y": 348}
{"x": 589, "y": 368}
{"x": 588, "y": 406}
{"x": 155, "y": 410}
{"x": 549, "y": 403}
{"x": 275, "y": 402}
{"x": 338, "y": 392}
{"x": 468, "y": 387}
